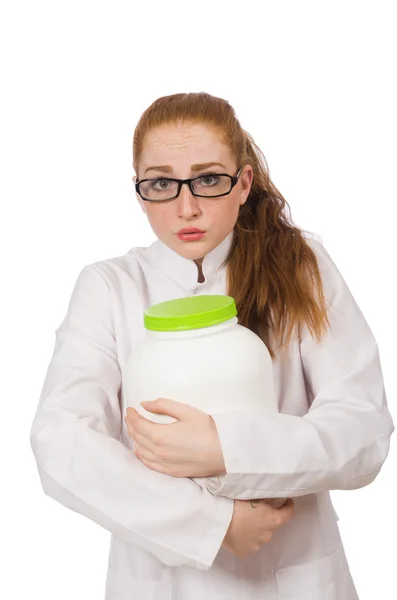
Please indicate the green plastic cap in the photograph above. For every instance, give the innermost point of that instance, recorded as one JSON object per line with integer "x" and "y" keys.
{"x": 193, "y": 312}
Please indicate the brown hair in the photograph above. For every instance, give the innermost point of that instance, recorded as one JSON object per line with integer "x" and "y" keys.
{"x": 272, "y": 271}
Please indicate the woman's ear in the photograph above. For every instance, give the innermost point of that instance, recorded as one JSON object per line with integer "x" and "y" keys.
{"x": 246, "y": 178}
{"x": 141, "y": 202}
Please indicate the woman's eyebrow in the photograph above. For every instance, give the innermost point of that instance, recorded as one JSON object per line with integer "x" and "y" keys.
{"x": 196, "y": 167}
{"x": 201, "y": 166}
{"x": 163, "y": 168}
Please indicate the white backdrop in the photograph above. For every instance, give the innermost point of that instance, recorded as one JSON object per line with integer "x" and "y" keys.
{"x": 314, "y": 82}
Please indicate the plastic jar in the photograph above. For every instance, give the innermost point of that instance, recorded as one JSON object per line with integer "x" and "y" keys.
{"x": 196, "y": 352}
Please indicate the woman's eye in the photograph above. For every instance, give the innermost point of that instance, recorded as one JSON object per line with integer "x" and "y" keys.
{"x": 209, "y": 180}
{"x": 160, "y": 184}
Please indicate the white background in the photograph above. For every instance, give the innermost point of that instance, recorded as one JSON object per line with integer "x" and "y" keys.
{"x": 314, "y": 82}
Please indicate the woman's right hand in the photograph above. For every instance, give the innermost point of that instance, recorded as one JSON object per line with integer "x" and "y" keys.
{"x": 253, "y": 524}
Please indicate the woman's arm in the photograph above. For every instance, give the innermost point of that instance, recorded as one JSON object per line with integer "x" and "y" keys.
{"x": 343, "y": 440}
{"x": 83, "y": 465}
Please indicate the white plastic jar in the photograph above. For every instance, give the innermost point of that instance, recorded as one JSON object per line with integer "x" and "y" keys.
{"x": 196, "y": 352}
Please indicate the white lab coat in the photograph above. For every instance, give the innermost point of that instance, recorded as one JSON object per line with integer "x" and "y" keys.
{"x": 333, "y": 432}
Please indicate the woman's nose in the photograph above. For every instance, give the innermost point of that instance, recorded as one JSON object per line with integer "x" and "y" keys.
{"x": 188, "y": 205}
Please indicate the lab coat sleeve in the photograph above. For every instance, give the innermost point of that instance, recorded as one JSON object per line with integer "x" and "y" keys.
{"x": 82, "y": 463}
{"x": 343, "y": 439}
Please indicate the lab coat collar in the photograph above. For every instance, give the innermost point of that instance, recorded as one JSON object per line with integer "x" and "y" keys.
{"x": 184, "y": 271}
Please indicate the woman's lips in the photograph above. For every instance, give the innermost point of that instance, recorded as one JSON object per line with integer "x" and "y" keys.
{"x": 191, "y": 237}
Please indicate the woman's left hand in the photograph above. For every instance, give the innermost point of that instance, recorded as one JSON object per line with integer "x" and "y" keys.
{"x": 190, "y": 447}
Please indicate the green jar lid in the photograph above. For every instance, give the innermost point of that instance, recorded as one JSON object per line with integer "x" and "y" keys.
{"x": 193, "y": 312}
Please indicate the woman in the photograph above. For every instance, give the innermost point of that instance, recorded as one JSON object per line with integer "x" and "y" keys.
{"x": 170, "y": 538}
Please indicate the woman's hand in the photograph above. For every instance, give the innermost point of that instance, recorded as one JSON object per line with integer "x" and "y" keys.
{"x": 190, "y": 447}
{"x": 253, "y": 524}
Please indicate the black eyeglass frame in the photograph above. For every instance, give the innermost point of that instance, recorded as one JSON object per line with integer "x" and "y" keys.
{"x": 181, "y": 182}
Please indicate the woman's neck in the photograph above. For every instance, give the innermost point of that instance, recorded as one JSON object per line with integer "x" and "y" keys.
{"x": 199, "y": 263}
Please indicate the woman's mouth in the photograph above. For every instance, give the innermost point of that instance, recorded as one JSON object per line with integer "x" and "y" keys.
{"x": 190, "y": 234}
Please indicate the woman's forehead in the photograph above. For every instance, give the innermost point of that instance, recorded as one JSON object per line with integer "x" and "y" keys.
{"x": 194, "y": 143}
{"x": 182, "y": 134}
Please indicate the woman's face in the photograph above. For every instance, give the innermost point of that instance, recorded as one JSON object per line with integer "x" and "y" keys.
{"x": 183, "y": 151}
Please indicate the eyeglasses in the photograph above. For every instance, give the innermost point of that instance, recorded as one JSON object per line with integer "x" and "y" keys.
{"x": 208, "y": 185}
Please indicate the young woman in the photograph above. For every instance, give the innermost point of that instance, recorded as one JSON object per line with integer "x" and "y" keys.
{"x": 222, "y": 229}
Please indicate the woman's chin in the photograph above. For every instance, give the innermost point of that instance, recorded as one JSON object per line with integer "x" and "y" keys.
{"x": 192, "y": 249}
